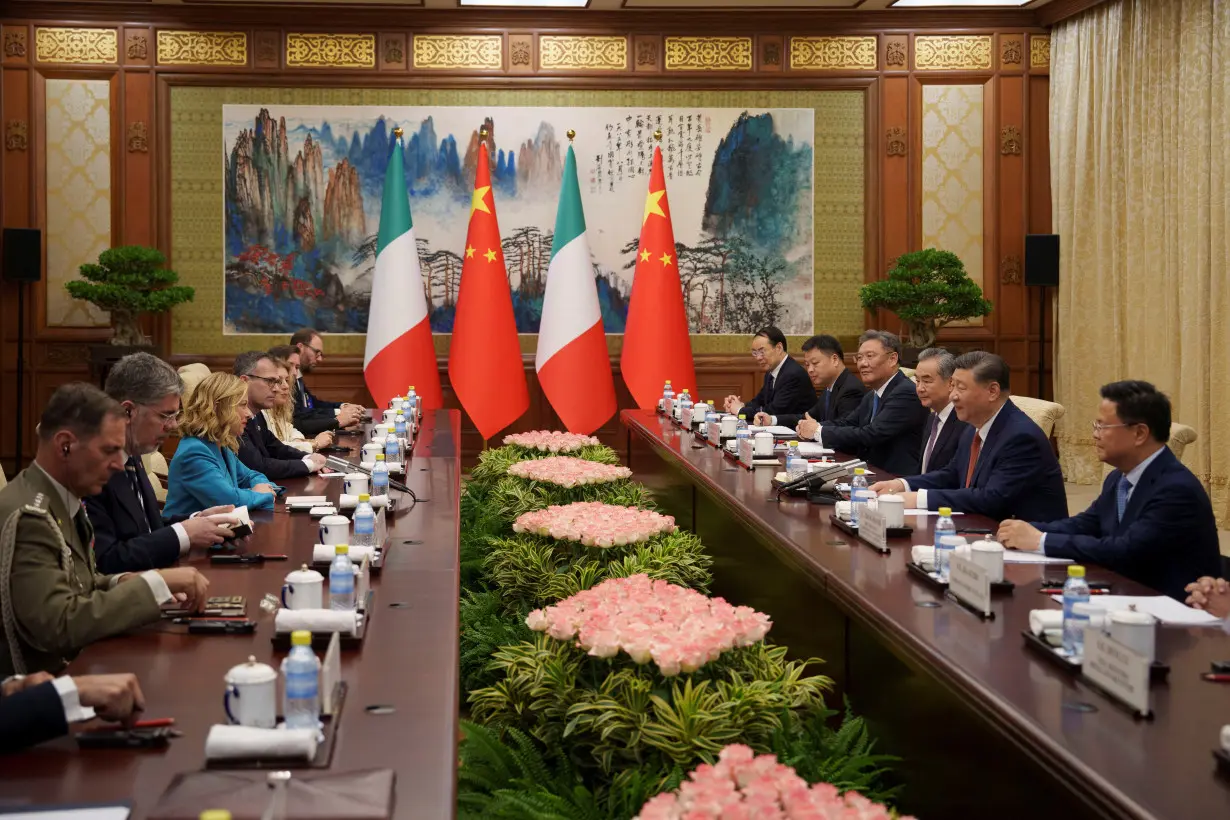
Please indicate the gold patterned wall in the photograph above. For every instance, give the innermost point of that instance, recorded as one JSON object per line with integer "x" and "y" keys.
{"x": 952, "y": 162}
{"x": 78, "y": 129}
{"x": 196, "y": 193}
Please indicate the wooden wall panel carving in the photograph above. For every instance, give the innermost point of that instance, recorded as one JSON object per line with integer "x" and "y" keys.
{"x": 562, "y": 52}
{"x": 709, "y": 53}
{"x": 477, "y": 52}
{"x": 833, "y": 53}
{"x": 212, "y": 48}
{"x": 966, "y": 52}
{"x": 330, "y": 50}
{"x": 80, "y": 46}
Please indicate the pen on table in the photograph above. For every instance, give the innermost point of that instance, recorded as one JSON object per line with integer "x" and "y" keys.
{"x": 1059, "y": 591}
{"x": 153, "y": 723}
{"x": 187, "y": 619}
{"x": 256, "y": 558}
{"x": 1217, "y": 677}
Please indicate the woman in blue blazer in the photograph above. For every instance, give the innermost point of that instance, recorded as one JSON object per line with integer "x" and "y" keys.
{"x": 206, "y": 472}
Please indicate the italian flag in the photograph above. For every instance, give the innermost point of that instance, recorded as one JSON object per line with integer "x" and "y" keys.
{"x": 574, "y": 367}
{"x": 399, "y": 347}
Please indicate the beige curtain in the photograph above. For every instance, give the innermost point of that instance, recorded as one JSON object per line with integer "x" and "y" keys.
{"x": 1140, "y": 146}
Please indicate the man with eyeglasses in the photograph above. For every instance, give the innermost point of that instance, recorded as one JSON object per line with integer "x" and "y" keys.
{"x": 130, "y": 534}
{"x": 1153, "y": 522}
{"x": 313, "y": 415}
{"x": 787, "y": 387}
{"x": 259, "y": 448}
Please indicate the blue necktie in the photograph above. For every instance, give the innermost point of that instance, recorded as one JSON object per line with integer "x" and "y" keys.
{"x": 875, "y": 404}
{"x": 1125, "y": 487}
{"x": 827, "y": 393}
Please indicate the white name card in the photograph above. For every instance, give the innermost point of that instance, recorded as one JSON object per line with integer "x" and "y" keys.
{"x": 970, "y": 582}
{"x": 363, "y": 582}
{"x": 330, "y": 675}
{"x": 715, "y": 432}
{"x": 745, "y": 452}
{"x": 1120, "y": 670}
{"x": 873, "y": 528}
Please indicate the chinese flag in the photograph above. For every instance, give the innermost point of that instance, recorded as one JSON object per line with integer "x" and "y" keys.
{"x": 484, "y": 361}
{"x": 656, "y": 342}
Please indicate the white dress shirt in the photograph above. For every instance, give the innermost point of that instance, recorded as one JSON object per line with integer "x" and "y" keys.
{"x": 983, "y": 432}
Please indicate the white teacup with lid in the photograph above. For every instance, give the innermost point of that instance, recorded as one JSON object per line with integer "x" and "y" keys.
{"x": 762, "y": 444}
{"x": 251, "y": 697}
{"x": 303, "y": 589}
{"x": 334, "y": 529}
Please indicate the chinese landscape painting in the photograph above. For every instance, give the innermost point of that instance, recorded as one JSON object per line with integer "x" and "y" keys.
{"x": 303, "y": 189}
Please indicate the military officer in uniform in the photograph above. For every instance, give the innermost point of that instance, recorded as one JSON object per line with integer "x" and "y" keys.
{"x": 53, "y": 601}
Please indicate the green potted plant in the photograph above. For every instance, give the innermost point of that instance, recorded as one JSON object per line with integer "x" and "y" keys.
{"x": 129, "y": 281}
{"x": 927, "y": 289}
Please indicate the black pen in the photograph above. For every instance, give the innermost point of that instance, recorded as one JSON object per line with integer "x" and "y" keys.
{"x": 256, "y": 558}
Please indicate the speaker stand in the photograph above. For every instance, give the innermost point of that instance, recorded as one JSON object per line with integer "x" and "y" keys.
{"x": 1041, "y": 341}
{"x": 21, "y": 370}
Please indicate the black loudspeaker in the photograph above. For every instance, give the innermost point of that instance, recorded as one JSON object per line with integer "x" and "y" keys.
{"x": 23, "y": 255}
{"x": 1042, "y": 259}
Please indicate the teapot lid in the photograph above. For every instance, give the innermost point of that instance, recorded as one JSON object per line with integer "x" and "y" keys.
{"x": 251, "y": 672}
{"x": 304, "y": 575}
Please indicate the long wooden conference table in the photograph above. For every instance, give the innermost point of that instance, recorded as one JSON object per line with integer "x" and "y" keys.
{"x": 984, "y": 727}
{"x": 408, "y": 660}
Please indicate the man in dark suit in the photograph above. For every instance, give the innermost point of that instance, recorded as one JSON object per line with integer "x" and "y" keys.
{"x": 943, "y": 429}
{"x": 786, "y": 389}
{"x": 313, "y": 415}
{"x": 259, "y": 448}
{"x": 36, "y": 708}
{"x": 1153, "y": 522}
{"x": 1004, "y": 466}
{"x": 130, "y": 534}
{"x": 885, "y": 429}
{"x": 840, "y": 390}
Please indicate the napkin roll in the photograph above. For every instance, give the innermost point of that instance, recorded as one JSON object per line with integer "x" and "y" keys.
{"x": 324, "y": 553}
{"x": 1045, "y": 620}
{"x": 371, "y": 465}
{"x": 316, "y": 620}
{"x": 923, "y": 555}
{"x": 349, "y": 502}
{"x": 246, "y": 742}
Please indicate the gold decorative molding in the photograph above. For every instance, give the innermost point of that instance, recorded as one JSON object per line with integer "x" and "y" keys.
{"x": 76, "y": 45}
{"x": 895, "y": 142}
{"x": 138, "y": 138}
{"x": 1039, "y": 51}
{"x": 1011, "y": 50}
{"x": 202, "y": 48}
{"x": 456, "y": 51}
{"x": 15, "y": 135}
{"x": 589, "y": 53}
{"x": 1010, "y": 270}
{"x": 708, "y": 53}
{"x": 15, "y": 43}
{"x": 1010, "y": 141}
{"x": 833, "y": 53}
{"x": 894, "y": 55}
{"x": 953, "y": 52}
{"x": 330, "y": 50}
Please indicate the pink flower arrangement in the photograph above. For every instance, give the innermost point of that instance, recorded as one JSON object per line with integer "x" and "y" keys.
{"x": 746, "y": 786}
{"x": 595, "y": 524}
{"x": 567, "y": 471}
{"x": 679, "y": 629}
{"x": 549, "y": 441}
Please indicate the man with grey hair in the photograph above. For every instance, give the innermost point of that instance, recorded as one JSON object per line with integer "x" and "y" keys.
{"x": 130, "y": 534}
{"x": 259, "y": 449}
{"x": 943, "y": 429}
{"x": 885, "y": 430}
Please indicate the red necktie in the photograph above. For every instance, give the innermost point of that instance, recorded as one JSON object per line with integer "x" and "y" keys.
{"x": 974, "y": 448}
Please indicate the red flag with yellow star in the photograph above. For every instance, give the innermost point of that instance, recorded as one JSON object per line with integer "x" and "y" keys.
{"x": 656, "y": 342}
{"x": 484, "y": 360}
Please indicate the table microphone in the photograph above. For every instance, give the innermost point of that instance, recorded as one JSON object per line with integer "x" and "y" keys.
{"x": 827, "y": 472}
{"x": 396, "y": 485}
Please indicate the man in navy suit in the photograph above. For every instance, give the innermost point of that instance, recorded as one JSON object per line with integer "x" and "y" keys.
{"x": 885, "y": 429}
{"x": 36, "y": 708}
{"x": 259, "y": 449}
{"x": 1153, "y": 522}
{"x": 787, "y": 389}
{"x": 1004, "y": 466}
{"x": 130, "y": 534}
{"x": 313, "y": 415}
{"x": 840, "y": 390}
{"x": 943, "y": 429}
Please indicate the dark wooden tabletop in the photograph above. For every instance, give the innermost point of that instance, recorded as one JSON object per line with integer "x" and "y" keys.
{"x": 408, "y": 660}
{"x": 1130, "y": 767}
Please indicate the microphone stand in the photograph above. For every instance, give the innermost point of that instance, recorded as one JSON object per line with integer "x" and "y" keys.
{"x": 393, "y": 484}
{"x": 828, "y": 473}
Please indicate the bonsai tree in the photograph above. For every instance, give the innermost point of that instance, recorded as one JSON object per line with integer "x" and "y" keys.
{"x": 129, "y": 281}
{"x": 927, "y": 289}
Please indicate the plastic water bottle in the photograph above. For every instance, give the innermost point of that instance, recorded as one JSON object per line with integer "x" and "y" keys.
{"x": 399, "y": 425}
{"x": 858, "y": 494}
{"x": 668, "y": 398}
{"x": 341, "y": 580}
{"x": 685, "y": 406}
{"x": 301, "y": 676}
{"x": 796, "y": 465}
{"x": 943, "y": 527}
{"x": 741, "y": 425}
{"x": 413, "y": 398}
{"x": 380, "y": 475}
{"x": 1075, "y": 591}
{"x": 392, "y": 449}
{"x": 364, "y": 519}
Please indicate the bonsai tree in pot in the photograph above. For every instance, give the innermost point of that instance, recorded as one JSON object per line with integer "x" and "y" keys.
{"x": 130, "y": 281}
{"x": 927, "y": 289}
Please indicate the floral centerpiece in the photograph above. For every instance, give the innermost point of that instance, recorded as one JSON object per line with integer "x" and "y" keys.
{"x": 595, "y": 524}
{"x": 566, "y": 471}
{"x": 551, "y": 441}
{"x": 745, "y": 786}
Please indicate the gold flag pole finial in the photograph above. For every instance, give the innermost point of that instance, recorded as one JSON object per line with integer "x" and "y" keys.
{"x": 657, "y": 135}
{"x": 397, "y": 132}
{"x": 571, "y": 135}
{"x": 482, "y": 134}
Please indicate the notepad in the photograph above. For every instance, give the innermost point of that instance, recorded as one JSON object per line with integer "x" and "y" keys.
{"x": 810, "y": 449}
{"x": 1166, "y": 609}
{"x": 778, "y": 430}
{"x": 1018, "y": 557}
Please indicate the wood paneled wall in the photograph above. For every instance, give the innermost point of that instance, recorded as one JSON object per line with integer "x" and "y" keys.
{"x": 159, "y": 46}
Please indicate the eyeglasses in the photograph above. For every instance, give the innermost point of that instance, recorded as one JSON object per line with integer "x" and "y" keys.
{"x": 866, "y": 357}
{"x": 315, "y": 350}
{"x": 165, "y": 418}
{"x": 272, "y": 381}
{"x": 759, "y": 352}
{"x": 1099, "y": 427}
